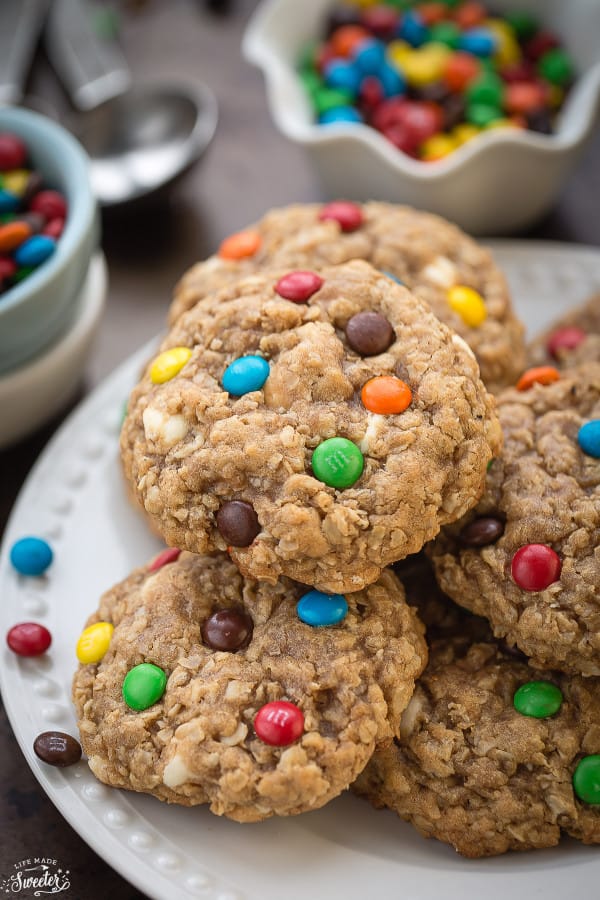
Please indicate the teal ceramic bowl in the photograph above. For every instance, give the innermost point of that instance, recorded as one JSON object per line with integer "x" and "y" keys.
{"x": 34, "y": 313}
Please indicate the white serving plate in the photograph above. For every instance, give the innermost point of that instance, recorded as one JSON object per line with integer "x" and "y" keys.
{"x": 347, "y": 851}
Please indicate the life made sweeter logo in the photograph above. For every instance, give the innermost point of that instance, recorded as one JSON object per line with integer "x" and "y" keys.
{"x": 35, "y": 877}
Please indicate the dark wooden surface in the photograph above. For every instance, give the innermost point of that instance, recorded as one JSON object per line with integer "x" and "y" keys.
{"x": 249, "y": 168}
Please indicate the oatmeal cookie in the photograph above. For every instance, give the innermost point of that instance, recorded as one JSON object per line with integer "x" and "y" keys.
{"x": 430, "y": 255}
{"x": 573, "y": 340}
{"x": 258, "y": 699}
{"x": 528, "y": 556}
{"x": 493, "y": 755}
{"x": 320, "y": 439}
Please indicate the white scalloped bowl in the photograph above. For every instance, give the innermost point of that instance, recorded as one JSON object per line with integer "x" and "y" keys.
{"x": 498, "y": 183}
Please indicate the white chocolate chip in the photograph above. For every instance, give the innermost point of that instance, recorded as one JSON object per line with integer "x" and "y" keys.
{"x": 375, "y": 422}
{"x": 459, "y": 342}
{"x": 164, "y": 428}
{"x": 440, "y": 271}
{"x": 237, "y": 737}
{"x": 153, "y": 421}
{"x": 175, "y": 429}
{"x": 176, "y": 772}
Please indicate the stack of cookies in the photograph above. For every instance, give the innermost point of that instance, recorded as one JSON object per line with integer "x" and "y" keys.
{"x": 321, "y": 408}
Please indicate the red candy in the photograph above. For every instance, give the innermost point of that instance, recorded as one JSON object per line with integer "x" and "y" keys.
{"x": 8, "y": 267}
{"x": 28, "y": 639}
{"x": 539, "y": 44}
{"x": 54, "y": 228}
{"x": 524, "y": 96}
{"x": 535, "y": 566}
{"x": 380, "y": 21}
{"x": 469, "y": 14}
{"x": 298, "y": 286}
{"x": 50, "y": 204}
{"x": 371, "y": 94}
{"x": 461, "y": 69}
{"x": 167, "y": 556}
{"x": 279, "y": 723}
{"x": 519, "y": 71}
{"x": 567, "y": 338}
{"x": 431, "y": 13}
{"x": 422, "y": 119}
{"x": 13, "y": 152}
{"x": 348, "y": 215}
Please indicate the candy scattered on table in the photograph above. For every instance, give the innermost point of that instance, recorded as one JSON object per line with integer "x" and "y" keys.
{"x": 28, "y": 639}
{"x": 319, "y": 609}
{"x": 420, "y": 71}
{"x": 143, "y": 686}
{"x": 538, "y": 699}
{"x": 32, "y": 218}
{"x": 279, "y": 723}
{"x": 56, "y": 748}
{"x": 31, "y": 556}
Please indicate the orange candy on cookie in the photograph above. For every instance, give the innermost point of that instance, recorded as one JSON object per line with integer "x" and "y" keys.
{"x": 386, "y": 395}
{"x": 240, "y": 245}
{"x": 537, "y": 375}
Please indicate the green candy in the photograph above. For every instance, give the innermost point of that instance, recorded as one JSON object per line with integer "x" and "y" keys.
{"x": 481, "y": 114}
{"x": 22, "y": 273}
{"x": 538, "y": 699}
{"x": 446, "y": 33}
{"x": 490, "y": 463}
{"x": 337, "y": 462}
{"x": 326, "y": 98}
{"x": 523, "y": 24}
{"x": 308, "y": 55}
{"x": 556, "y": 67}
{"x": 143, "y": 686}
{"x": 311, "y": 80}
{"x": 586, "y": 779}
{"x": 487, "y": 89}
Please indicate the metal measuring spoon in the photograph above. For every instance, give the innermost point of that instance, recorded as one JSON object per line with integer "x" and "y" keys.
{"x": 139, "y": 139}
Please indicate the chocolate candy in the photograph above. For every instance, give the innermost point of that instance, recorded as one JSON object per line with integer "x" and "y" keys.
{"x": 28, "y": 639}
{"x": 319, "y": 610}
{"x": 228, "y": 629}
{"x": 481, "y": 532}
{"x": 535, "y": 567}
{"x": 279, "y": 723}
{"x": 337, "y": 462}
{"x": 298, "y": 286}
{"x": 538, "y": 699}
{"x": 31, "y": 556}
{"x": 143, "y": 686}
{"x": 588, "y": 438}
{"x": 246, "y": 374}
{"x": 586, "y": 779}
{"x": 163, "y": 559}
{"x": 369, "y": 333}
{"x": 238, "y": 523}
{"x": 57, "y": 748}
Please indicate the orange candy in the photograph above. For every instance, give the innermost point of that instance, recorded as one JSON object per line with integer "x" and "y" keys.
{"x": 524, "y": 96}
{"x": 386, "y": 395}
{"x": 240, "y": 245}
{"x": 12, "y": 234}
{"x": 460, "y": 70}
{"x": 432, "y": 13}
{"x": 538, "y": 375}
{"x": 470, "y": 14}
{"x": 345, "y": 39}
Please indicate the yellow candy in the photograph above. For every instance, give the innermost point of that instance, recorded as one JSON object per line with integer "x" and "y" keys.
{"x": 464, "y": 132}
{"x": 168, "y": 364}
{"x": 93, "y": 642}
{"x": 507, "y": 46}
{"x": 468, "y": 304}
{"x": 397, "y": 51}
{"x": 15, "y": 181}
{"x": 556, "y": 95}
{"x": 423, "y": 67}
{"x": 502, "y": 123}
{"x": 437, "y": 146}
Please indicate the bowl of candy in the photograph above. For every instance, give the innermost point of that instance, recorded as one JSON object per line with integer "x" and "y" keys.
{"x": 473, "y": 113}
{"x": 48, "y": 233}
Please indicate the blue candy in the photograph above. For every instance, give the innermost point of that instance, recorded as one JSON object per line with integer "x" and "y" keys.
{"x": 340, "y": 114}
{"x": 413, "y": 29}
{"x": 391, "y": 81}
{"x": 589, "y": 438}
{"x": 478, "y": 41}
{"x": 248, "y": 373}
{"x": 342, "y": 75}
{"x": 8, "y": 202}
{"x": 31, "y": 556}
{"x": 369, "y": 56}
{"x": 393, "y": 277}
{"x": 318, "y": 609}
{"x": 35, "y": 250}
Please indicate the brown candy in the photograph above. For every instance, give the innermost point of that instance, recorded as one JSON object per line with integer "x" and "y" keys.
{"x": 57, "y": 748}
{"x": 369, "y": 333}
{"x": 481, "y": 532}
{"x": 238, "y": 523}
{"x": 228, "y": 629}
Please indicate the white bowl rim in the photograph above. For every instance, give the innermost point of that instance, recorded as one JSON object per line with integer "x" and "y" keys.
{"x": 81, "y": 213}
{"x": 257, "y": 49}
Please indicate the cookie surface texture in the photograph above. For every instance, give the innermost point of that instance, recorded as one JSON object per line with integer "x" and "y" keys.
{"x": 325, "y": 490}
{"x": 320, "y": 697}
{"x": 428, "y": 254}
